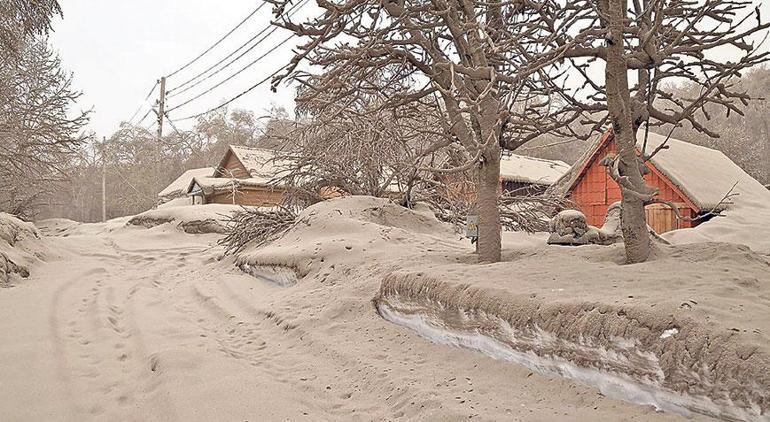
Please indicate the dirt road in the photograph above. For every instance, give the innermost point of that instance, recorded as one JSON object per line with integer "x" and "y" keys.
{"x": 135, "y": 324}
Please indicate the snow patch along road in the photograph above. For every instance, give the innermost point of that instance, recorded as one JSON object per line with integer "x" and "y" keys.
{"x": 614, "y": 385}
{"x": 280, "y": 276}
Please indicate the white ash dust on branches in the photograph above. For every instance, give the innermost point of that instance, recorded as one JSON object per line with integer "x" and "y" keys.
{"x": 660, "y": 42}
{"x": 459, "y": 57}
{"x": 530, "y": 213}
{"x": 358, "y": 147}
{"x": 256, "y": 227}
{"x": 527, "y": 213}
{"x": 452, "y": 200}
{"x": 38, "y": 134}
{"x": 22, "y": 21}
{"x": 505, "y": 73}
{"x": 745, "y": 138}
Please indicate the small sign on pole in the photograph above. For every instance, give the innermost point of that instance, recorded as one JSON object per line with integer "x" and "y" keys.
{"x": 472, "y": 227}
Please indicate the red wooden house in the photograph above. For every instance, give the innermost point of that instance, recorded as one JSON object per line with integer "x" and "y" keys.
{"x": 693, "y": 177}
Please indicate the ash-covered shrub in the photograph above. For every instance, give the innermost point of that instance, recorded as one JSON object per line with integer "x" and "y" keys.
{"x": 256, "y": 226}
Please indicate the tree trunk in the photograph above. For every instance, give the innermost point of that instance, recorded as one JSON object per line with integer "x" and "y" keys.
{"x": 488, "y": 179}
{"x": 488, "y": 203}
{"x": 636, "y": 237}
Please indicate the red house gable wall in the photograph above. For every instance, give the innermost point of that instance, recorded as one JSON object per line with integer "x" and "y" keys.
{"x": 595, "y": 191}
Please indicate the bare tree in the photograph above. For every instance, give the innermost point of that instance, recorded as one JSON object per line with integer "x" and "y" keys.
{"x": 744, "y": 138}
{"x": 37, "y": 133}
{"x": 23, "y": 20}
{"x": 645, "y": 46}
{"x": 223, "y": 127}
{"x": 458, "y": 56}
{"x": 358, "y": 147}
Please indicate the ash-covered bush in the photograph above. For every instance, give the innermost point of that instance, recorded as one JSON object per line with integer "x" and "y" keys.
{"x": 256, "y": 226}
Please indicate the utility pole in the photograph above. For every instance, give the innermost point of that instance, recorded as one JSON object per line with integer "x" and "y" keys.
{"x": 161, "y": 114}
{"x": 104, "y": 180}
{"x": 161, "y": 106}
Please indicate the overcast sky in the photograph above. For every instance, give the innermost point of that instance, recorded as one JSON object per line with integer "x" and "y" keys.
{"x": 118, "y": 49}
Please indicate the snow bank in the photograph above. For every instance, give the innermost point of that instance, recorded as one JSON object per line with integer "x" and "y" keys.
{"x": 351, "y": 228}
{"x": 280, "y": 276}
{"x": 209, "y": 218}
{"x": 687, "y": 331}
{"x": 611, "y": 383}
{"x": 746, "y": 222}
{"x": 629, "y": 353}
{"x": 20, "y": 247}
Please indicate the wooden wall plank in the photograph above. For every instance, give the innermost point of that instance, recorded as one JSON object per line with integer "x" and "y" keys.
{"x": 596, "y": 190}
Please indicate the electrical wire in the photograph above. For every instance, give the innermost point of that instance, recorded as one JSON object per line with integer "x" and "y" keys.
{"x": 232, "y": 99}
{"x": 125, "y": 180}
{"x": 144, "y": 102}
{"x": 131, "y": 120}
{"x": 139, "y": 123}
{"x": 200, "y": 81}
{"x": 185, "y": 66}
{"x": 173, "y": 126}
{"x": 175, "y": 91}
{"x": 255, "y": 61}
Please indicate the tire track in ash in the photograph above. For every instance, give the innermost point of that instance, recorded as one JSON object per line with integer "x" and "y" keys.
{"x": 149, "y": 268}
{"x": 235, "y": 337}
{"x": 372, "y": 377}
{"x": 101, "y": 350}
{"x": 294, "y": 350}
{"x": 63, "y": 335}
{"x": 251, "y": 341}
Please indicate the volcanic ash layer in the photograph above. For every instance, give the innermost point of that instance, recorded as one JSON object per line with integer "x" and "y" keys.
{"x": 627, "y": 352}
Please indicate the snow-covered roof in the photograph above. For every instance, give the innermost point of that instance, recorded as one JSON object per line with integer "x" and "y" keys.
{"x": 211, "y": 184}
{"x": 519, "y": 168}
{"x": 565, "y": 183}
{"x": 705, "y": 175}
{"x": 260, "y": 163}
{"x": 179, "y": 186}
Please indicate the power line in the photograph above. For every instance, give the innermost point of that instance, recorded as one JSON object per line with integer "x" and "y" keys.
{"x": 135, "y": 113}
{"x": 139, "y": 123}
{"x": 173, "y": 126}
{"x": 218, "y": 42}
{"x": 144, "y": 102}
{"x": 235, "y": 74}
{"x": 125, "y": 180}
{"x": 174, "y": 90}
{"x": 232, "y": 99}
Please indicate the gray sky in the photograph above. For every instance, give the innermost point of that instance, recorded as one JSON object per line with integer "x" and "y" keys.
{"x": 118, "y": 49}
